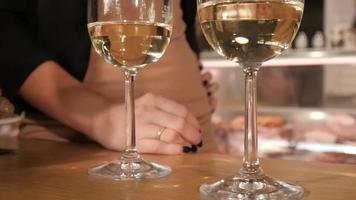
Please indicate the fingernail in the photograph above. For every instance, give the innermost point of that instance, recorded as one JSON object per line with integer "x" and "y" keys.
{"x": 194, "y": 148}
{"x": 205, "y": 83}
{"x": 209, "y": 94}
{"x": 200, "y": 144}
{"x": 186, "y": 149}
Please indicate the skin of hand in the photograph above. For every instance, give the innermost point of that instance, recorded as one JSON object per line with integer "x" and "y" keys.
{"x": 152, "y": 113}
{"x": 211, "y": 88}
{"x": 67, "y": 100}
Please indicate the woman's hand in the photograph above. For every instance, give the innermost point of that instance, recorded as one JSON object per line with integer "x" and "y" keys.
{"x": 103, "y": 121}
{"x": 162, "y": 126}
{"x": 211, "y": 89}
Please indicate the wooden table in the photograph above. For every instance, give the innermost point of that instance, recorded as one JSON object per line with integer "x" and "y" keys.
{"x": 58, "y": 171}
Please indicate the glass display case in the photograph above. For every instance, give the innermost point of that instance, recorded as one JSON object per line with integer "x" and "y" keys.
{"x": 306, "y": 96}
{"x": 307, "y": 105}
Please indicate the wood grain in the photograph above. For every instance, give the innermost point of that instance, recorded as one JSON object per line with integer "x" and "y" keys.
{"x": 58, "y": 171}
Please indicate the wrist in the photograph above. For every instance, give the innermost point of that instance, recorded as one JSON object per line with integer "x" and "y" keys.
{"x": 107, "y": 127}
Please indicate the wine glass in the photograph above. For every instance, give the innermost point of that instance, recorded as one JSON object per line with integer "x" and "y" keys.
{"x": 130, "y": 35}
{"x": 250, "y": 32}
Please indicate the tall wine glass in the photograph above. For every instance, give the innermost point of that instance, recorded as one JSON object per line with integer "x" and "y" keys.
{"x": 129, "y": 35}
{"x": 250, "y": 32}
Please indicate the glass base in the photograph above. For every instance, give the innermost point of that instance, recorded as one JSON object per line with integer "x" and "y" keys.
{"x": 263, "y": 188}
{"x": 134, "y": 170}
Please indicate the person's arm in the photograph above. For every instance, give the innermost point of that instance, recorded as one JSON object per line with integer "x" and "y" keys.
{"x": 56, "y": 93}
{"x": 19, "y": 54}
{"x": 25, "y": 64}
{"x": 29, "y": 70}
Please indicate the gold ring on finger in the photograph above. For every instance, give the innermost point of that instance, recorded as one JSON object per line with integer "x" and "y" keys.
{"x": 160, "y": 132}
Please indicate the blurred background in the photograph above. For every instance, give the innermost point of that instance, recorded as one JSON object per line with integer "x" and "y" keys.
{"x": 306, "y": 96}
{"x": 310, "y": 90}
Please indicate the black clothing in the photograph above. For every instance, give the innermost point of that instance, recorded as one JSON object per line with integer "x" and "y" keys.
{"x": 34, "y": 31}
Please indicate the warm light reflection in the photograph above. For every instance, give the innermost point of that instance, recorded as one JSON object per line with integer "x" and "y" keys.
{"x": 316, "y": 54}
{"x": 317, "y": 115}
{"x": 225, "y": 15}
{"x": 242, "y": 40}
{"x": 166, "y": 186}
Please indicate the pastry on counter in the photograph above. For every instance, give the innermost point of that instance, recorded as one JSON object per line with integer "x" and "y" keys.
{"x": 6, "y": 108}
{"x": 262, "y": 121}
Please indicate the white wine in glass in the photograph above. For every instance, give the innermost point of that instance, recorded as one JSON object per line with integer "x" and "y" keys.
{"x": 130, "y": 45}
{"x": 130, "y": 35}
{"x": 250, "y": 32}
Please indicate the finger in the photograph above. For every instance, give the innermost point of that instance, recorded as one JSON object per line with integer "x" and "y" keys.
{"x": 159, "y": 147}
{"x": 167, "y": 135}
{"x": 207, "y": 76}
{"x": 176, "y": 123}
{"x": 173, "y": 108}
{"x": 213, "y": 103}
{"x": 173, "y": 137}
{"x": 214, "y": 87}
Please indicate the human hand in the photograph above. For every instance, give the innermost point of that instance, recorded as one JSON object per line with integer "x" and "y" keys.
{"x": 211, "y": 89}
{"x": 162, "y": 126}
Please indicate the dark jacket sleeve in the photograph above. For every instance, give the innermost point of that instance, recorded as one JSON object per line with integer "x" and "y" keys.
{"x": 19, "y": 53}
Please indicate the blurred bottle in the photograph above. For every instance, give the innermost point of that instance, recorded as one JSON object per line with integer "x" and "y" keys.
{"x": 336, "y": 36}
{"x": 350, "y": 39}
{"x": 301, "y": 42}
{"x": 318, "y": 40}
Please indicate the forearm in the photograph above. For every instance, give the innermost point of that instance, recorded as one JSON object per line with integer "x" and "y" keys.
{"x": 56, "y": 93}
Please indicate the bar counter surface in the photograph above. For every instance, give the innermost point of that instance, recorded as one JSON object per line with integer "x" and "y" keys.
{"x": 42, "y": 170}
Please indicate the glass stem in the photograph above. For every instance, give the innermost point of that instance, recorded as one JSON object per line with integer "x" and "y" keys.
{"x": 130, "y": 152}
{"x": 251, "y": 164}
